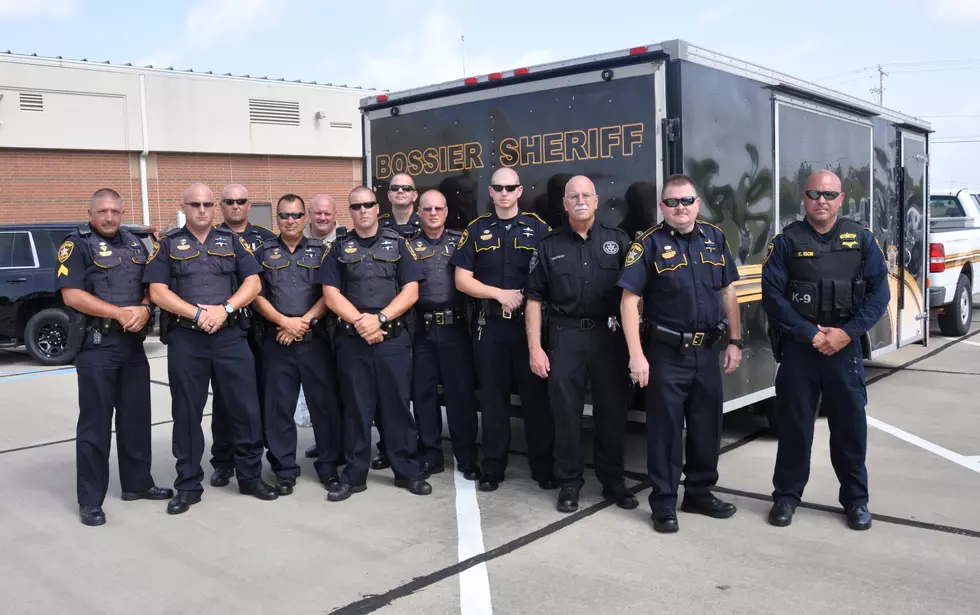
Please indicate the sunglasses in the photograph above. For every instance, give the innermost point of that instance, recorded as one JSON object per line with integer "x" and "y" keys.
{"x": 814, "y": 195}
{"x": 295, "y": 215}
{"x": 501, "y": 187}
{"x": 674, "y": 202}
{"x": 358, "y": 206}
{"x": 198, "y": 205}
{"x": 234, "y": 201}
{"x": 397, "y": 188}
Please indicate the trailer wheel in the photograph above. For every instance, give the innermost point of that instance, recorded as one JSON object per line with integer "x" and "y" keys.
{"x": 955, "y": 320}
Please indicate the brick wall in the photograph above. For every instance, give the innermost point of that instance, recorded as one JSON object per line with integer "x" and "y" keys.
{"x": 38, "y": 185}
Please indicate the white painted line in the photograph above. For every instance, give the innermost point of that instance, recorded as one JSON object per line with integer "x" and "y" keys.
{"x": 971, "y": 343}
{"x": 970, "y": 463}
{"x": 474, "y": 583}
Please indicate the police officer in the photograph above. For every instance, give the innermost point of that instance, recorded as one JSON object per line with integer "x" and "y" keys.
{"x": 824, "y": 285}
{"x": 574, "y": 271}
{"x": 443, "y": 348}
{"x": 296, "y": 350}
{"x": 100, "y": 276}
{"x": 235, "y": 206}
{"x": 370, "y": 279}
{"x": 203, "y": 276}
{"x": 684, "y": 270}
{"x": 492, "y": 262}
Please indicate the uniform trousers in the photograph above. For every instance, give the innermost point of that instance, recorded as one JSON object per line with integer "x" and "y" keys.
{"x": 222, "y": 448}
{"x": 597, "y": 357}
{"x": 223, "y": 359}
{"x": 112, "y": 375}
{"x": 501, "y": 354}
{"x": 682, "y": 387}
{"x": 443, "y": 354}
{"x": 804, "y": 376}
{"x": 310, "y": 364}
{"x": 376, "y": 379}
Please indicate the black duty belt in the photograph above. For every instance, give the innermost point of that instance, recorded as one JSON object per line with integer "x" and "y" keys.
{"x": 683, "y": 340}
{"x": 393, "y": 327}
{"x": 188, "y": 323}
{"x": 442, "y": 318}
{"x": 585, "y": 324}
{"x": 493, "y": 308}
{"x": 103, "y": 325}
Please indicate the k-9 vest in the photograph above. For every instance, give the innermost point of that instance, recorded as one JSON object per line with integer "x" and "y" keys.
{"x": 370, "y": 280}
{"x": 117, "y": 271}
{"x": 825, "y": 279}
{"x": 202, "y": 274}
{"x": 438, "y": 290}
{"x": 289, "y": 279}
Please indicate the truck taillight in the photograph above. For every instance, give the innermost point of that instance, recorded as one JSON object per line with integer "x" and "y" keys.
{"x": 937, "y": 258}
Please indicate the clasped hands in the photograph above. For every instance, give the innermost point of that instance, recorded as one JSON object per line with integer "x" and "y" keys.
{"x": 829, "y": 340}
{"x": 212, "y": 318}
{"x": 133, "y": 318}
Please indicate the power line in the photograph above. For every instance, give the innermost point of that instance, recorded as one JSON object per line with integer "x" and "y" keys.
{"x": 901, "y": 64}
{"x": 940, "y": 142}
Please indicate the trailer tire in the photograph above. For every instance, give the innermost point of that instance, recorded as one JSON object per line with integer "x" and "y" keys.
{"x": 956, "y": 318}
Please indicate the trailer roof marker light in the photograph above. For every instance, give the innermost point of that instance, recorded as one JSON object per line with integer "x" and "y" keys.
{"x": 520, "y": 71}
{"x": 636, "y": 51}
{"x": 495, "y": 76}
{"x": 383, "y": 98}
{"x": 470, "y": 81}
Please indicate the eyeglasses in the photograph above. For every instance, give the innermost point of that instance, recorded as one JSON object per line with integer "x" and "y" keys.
{"x": 814, "y": 195}
{"x": 295, "y": 215}
{"x": 674, "y": 202}
{"x": 198, "y": 204}
{"x": 501, "y": 188}
{"x": 234, "y": 201}
{"x": 429, "y": 210}
{"x": 358, "y": 206}
{"x": 397, "y": 188}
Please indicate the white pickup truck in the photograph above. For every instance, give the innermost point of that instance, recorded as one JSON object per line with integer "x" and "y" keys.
{"x": 954, "y": 258}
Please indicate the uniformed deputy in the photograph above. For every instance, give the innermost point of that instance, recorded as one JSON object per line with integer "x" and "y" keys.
{"x": 574, "y": 272}
{"x": 443, "y": 348}
{"x": 235, "y": 206}
{"x": 296, "y": 350}
{"x": 824, "y": 285}
{"x": 370, "y": 279}
{"x": 203, "y": 276}
{"x": 100, "y": 275}
{"x": 492, "y": 262}
{"x": 684, "y": 270}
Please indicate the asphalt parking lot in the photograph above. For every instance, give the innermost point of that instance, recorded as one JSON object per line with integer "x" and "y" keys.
{"x": 507, "y": 552}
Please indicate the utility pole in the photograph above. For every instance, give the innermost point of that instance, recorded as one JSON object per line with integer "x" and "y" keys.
{"x": 462, "y": 50}
{"x": 881, "y": 86}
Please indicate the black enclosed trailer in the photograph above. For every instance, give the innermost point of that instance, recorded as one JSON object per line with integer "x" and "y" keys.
{"x": 748, "y": 136}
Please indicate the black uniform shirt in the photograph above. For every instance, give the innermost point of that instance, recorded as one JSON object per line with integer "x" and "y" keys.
{"x": 680, "y": 277}
{"x": 253, "y": 234}
{"x": 75, "y": 259}
{"x": 498, "y": 252}
{"x": 158, "y": 267}
{"x": 331, "y": 272}
{"x": 576, "y": 276}
{"x": 409, "y": 230}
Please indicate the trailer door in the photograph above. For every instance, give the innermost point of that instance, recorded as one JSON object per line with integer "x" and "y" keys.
{"x": 913, "y": 312}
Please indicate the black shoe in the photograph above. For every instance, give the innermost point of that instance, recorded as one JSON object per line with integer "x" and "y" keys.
{"x": 260, "y": 489}
{"x": 428, "y": 469}
{"x": 284, "y": 486}
{"x": 311, "y": 452}
{"x": 781, "y": 514}
{"x": 548, "y": 482}
{"x": 471, "y": 471}
{"x": 153, "y": 493}
{"x": 417, "y": 486}
{"x": 329, "y": 480}
{"x": 859, "y": 518}
{"x": 381, "y": 462}
{"x": 182, "y": 501}
{"x": 488, "y": 482}
{"x": 341, "y": 491}
{"x": 221, "y": 477}
{"x": 91, "y": 515}
{"x": 710, "y": 506}
{"x": 618, "y": 493}
{"x": 665, "y": 521}
{"x": 568, "y": 499}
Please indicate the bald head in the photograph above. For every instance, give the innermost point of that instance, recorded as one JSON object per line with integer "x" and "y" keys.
{"x": 364, "y": 211}
{"x": 506, "y": 191}
{"x": 323, "y": 215}
{"x": 234, "y": 191}
{"x": 433, "y": 210}
{"x": 198, "y": 218}
{"x": 579, "y": 184}
{"x": 822, "y": 200}
{"x": 505, "y": 176}
{"x": 580, "y": 202}
{"x": 823, "y": 180}
{"x": 198, "y": 192}
{"x": 360, "y": 194}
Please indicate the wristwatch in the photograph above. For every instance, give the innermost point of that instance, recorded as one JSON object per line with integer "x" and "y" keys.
{"x": 229, "y": 307}
{"x": 382, "y": 318}
{"x": 737, "y": 342}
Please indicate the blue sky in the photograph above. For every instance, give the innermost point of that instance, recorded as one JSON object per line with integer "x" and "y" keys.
{"x": 929, "y": 47}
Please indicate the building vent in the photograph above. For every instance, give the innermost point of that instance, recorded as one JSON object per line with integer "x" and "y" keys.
{"x": 341, "y": 125}
{"x": 281, "y": 112}
{"x": 31, "y": 102}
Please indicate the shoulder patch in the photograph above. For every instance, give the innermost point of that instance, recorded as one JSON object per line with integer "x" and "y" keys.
{"x": 64, "y": 252}
{"x": 635, "y": 253}
{"x": 768, "y": 251}
{"x": 154, "y": 251}
{"x": 462, "y": 240}
{"x": 473, "y": 221}
{"x": 245, "y": 245}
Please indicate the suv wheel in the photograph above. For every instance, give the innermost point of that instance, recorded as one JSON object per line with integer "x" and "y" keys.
{"x": 46, "y": 337}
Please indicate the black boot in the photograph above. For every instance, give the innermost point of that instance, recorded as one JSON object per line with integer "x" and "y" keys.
{"x": 91, "y": 515}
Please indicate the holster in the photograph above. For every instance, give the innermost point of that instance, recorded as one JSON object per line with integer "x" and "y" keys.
{"x": 775, "y": 341}
{"x": 166, "y": 322}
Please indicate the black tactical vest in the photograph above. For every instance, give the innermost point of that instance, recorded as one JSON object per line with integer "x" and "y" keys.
{"x": 117, "y": 274}
{"x": 289, "y": 279}
{"x": 438, "y": 290}
{"x": 825, "y": 279}
{"x": 371, "y": 273}
{"x": 203, "y": 274}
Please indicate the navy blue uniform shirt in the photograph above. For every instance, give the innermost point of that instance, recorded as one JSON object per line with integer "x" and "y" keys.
{"x": 680, "y": 277}
{"x": 775, "y": 280}
{"x": 410, "y": 229}
{"x": 158, "y": 268}
{"x": 498, "y": 252}
{"x": 331, "y": 272}
{"x": 75, "y": 259}
{"x": 253, "y": 234}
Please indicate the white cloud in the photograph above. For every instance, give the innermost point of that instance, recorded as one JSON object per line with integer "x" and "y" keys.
{"x": 38, "y": 9}
{"x": 957, "y": 11}
{"x": 432, "y": 53}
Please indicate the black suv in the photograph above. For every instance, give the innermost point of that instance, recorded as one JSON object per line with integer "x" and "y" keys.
{"x": 31, "y": 311}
